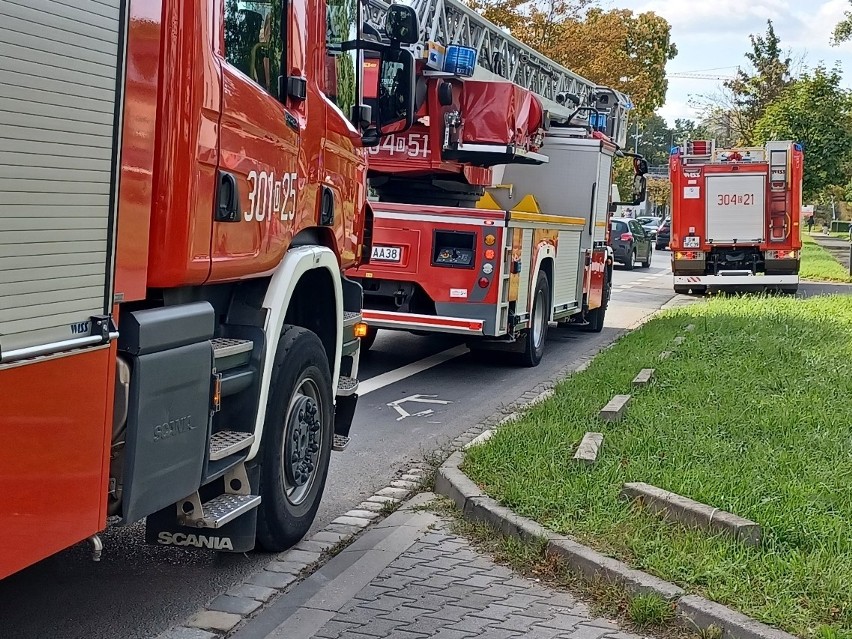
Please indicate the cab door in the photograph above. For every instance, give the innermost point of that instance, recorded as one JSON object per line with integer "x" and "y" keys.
{"x": 259, "y": 138}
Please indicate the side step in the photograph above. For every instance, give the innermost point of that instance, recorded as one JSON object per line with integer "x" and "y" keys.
{"x": 227, "y": 442}
{"x": 347, "y": 386}
{"x": 351, "y": 318}
{"x": 230, "y": 353}
{"x": 340, "y": 443}
{"x": 217, "y": 512}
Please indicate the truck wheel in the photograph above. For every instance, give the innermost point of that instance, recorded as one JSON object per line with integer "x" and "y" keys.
{"x": 630, "y": 262}
{"x": 368, "y": 339}
{"x": 297, "y": 440}
{"x": 536, "y": 336}
{"x": 681, "y": 290}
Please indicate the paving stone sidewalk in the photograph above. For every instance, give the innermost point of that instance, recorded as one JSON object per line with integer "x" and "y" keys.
{"x": 414, "y": 578}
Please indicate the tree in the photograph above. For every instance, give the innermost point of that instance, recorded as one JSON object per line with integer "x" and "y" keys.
{"x": 659, "y": 193}
{"x": 655, "y": 138}
{"x": 689, "y": 130}
{"x": 621, "y": 50}
{"x": 816, "y": 112}
{"x": 532, "y": 21}
{"x": 618, "y": 48}
{"x": 843, "y": 30}
{"x": 754, "y": 90}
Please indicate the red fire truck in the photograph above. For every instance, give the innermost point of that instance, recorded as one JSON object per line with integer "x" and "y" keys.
{"x": 180, "y": 193}
{"x": 493, "y": 209}
{"x": 735, "y": 217}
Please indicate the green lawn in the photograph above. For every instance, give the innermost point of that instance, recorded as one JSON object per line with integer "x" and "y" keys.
{"x": 752, "y": 414}
{"x": 819, "y": 264}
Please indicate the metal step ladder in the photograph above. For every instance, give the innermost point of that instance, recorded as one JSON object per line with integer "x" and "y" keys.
{"x": 231, "y": 360}
{"x": 222, "y": 509}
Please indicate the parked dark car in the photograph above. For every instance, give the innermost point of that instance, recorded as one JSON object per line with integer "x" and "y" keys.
{"x": 630, "y": 242}
{"x": 664, "y": 235}
{"x": 650, "y": 224}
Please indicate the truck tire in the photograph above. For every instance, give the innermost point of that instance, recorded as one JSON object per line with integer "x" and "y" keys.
{"x": 681, "y": 290}
{"x": 536, "y": 335}
{"x": 297, "y": 439}
{"x": 630, "y": 262}
{"x": 368, "y": 340}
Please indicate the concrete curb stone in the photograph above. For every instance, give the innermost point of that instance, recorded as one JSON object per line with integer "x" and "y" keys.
{"x": 698, "y": 612}
{"x": 683, "y": 510}
{"x": 580, "y": 559}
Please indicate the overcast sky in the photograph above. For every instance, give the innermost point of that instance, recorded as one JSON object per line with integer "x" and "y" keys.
{"x": 712, "y": 36}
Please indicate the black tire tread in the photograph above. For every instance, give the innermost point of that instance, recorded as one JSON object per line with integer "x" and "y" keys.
{"x": 278, "y": 529}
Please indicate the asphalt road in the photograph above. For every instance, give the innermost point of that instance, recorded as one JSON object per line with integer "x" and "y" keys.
{"x": 138, "y": 590}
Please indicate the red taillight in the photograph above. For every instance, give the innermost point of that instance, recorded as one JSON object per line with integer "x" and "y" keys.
{"x": 626, "y": 237}
{"x": 483, "y": 282}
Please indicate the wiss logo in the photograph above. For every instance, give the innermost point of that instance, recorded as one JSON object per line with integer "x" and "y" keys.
{"x": 198, "y": 541}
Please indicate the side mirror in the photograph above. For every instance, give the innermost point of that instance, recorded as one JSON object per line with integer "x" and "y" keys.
{"x": 402, "y": 25}
{"x": 395, "y": 104}
{"x": 640, "y": 189}
{"x": 362, "y": 116}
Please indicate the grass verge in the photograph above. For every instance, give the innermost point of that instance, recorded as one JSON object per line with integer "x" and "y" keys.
{"x": 819, "y": 264}
{"x": 751, "y": 415}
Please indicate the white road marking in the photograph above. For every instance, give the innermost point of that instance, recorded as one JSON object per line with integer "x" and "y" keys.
{"x": 401, "y": 373}
{"x": 420, "y": 399}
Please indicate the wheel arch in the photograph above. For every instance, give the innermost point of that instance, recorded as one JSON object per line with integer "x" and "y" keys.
{"x": 545, "y": 260}
{"x": 293, "y": 284}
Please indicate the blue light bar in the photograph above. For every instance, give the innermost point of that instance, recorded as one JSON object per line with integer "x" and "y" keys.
{"x": 460, "y": 61}
{"x": 598, "y": 121}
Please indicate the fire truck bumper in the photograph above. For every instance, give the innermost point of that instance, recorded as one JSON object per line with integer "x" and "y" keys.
{"x": 430, "y": 323}
{"x": 735, "y": 280}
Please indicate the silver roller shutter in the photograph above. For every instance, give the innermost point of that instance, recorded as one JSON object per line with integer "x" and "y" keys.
{"x": 59, "y": 66}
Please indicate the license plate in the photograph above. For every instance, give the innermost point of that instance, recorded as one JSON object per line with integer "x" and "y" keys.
{"x": 691, "y": 242}
{"x": 386, "y": 253}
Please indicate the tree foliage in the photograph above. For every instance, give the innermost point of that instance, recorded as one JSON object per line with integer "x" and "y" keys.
{"x": 843, "y": 30}
{"x": 617, "y": 48}
{"x": 756, "y": 88}
{"x": 816, "y": 112}
{"x": 655, "y": 139}
{"x": 688, "y": 130}
{"x": 659, "y": 192}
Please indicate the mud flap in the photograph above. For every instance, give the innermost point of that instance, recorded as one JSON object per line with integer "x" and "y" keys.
{"x": 344, "y": 413}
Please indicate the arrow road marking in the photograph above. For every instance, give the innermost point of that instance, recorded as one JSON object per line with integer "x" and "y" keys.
{"x": 419, "y": 399}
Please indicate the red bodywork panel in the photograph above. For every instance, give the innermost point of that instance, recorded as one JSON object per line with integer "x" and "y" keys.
{"x": 691, "y": 212}
{"x": 54, "y": 463}
{"x": 411, "y": 228}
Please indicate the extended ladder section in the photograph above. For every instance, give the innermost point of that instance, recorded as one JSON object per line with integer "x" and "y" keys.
{"x": 502, "y": 56}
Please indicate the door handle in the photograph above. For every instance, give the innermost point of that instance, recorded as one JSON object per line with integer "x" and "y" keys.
{"x": 227, "y": 199}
